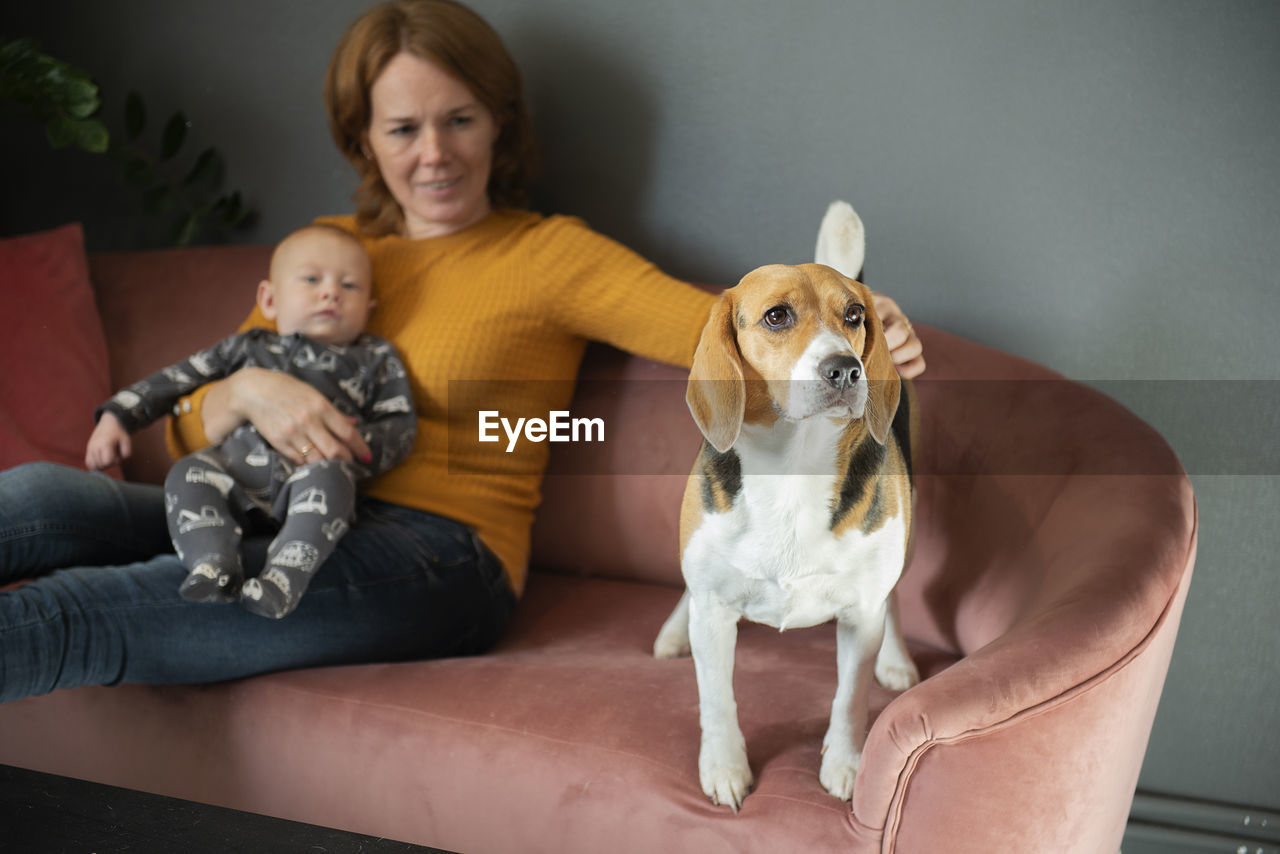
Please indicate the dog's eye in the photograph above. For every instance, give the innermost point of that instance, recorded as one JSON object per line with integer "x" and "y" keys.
{"x": 854, "y": 314}
{"x": 777, "y": 317}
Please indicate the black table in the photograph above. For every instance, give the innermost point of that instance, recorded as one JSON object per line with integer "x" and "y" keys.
{"x": 45, "y": 814}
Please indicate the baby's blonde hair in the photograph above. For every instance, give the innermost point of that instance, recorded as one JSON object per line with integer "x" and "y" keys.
{"x": 312, "y": 228}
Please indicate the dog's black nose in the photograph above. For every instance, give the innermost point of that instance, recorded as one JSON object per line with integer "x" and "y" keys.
{"x": 840, "y": 371}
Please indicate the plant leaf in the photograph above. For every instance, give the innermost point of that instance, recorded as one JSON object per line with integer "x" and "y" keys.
{"x": 187, "y": 230}
{"x": 138, "y": 171}
{"x": 207, "y": 171}
{"x": 231, "y": 210}
{"x": 81, "y": 97}
{"x": 92, "y": 136}
{"x": 135, "y": 116}
{"x": 158, "y": 199}
{"x": 17, "y": 53}
{"x": 174, "y": 134}
{"x": 60, "y": 131}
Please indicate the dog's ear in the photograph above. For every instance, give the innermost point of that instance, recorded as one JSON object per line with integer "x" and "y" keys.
{"x": 883, "y": 385}
{"x": 716, "y": 393}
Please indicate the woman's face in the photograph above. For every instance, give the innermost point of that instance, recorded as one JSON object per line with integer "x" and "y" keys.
{"x": 433, "y": 143}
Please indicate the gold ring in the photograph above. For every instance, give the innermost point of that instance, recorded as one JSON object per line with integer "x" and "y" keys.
{"x": 306, "y": 449}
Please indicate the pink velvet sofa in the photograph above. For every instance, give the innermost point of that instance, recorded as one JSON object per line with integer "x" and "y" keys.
{"x": 1056, "y": 538}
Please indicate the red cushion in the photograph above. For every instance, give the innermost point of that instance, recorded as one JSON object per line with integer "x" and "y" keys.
{"x": 53, "y": 352}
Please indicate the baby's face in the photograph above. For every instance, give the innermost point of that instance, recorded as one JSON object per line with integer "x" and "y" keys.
{"x": 320, "y": 285}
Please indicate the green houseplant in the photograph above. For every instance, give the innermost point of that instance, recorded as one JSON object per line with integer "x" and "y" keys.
{"x": 66, "y": 101}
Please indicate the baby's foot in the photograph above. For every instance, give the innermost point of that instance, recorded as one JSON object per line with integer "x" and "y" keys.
{"x": 266, "y": 597}
{"x": 207, "y": 583}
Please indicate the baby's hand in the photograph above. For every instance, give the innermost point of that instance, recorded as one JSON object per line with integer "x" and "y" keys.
{"x": 108, "y": 444}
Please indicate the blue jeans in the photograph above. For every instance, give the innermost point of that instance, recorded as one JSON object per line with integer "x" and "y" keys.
{"x": 104, "y": 608}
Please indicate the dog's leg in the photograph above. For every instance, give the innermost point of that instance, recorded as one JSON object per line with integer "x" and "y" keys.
{"x": 722, "y": 760}
{"x": 894, "y": 668}
{"x": 856, "y": 646}
{"x": 673, "y": 637}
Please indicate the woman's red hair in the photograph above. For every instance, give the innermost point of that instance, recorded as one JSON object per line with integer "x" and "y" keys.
{"x": 456, "y": 39}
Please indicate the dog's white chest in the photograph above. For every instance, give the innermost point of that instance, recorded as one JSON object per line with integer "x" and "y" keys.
{"x": 796, "y": 603}
{"x": 774, "y": 559}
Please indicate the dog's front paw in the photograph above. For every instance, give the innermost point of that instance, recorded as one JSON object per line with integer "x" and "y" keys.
{"x": 725, "y": 776}
{"x": 839, "y": 768}
{"x": 897, "y": 675}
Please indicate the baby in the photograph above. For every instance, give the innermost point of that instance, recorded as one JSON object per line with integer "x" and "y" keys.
{"x": 319, "y": 295}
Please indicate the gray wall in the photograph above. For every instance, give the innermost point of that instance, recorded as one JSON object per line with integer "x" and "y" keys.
{"x": 1092, "y": 185}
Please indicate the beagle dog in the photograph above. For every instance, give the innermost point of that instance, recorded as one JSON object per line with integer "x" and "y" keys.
{"x": 798, "y": 510}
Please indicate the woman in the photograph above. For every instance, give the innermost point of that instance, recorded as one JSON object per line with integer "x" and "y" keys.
{"x": 426, "y": 103}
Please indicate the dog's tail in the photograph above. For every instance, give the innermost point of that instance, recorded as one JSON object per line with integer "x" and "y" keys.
{"x": 842, "y": 240}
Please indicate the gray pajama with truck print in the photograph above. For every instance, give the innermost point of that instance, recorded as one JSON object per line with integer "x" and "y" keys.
{"x": 209, "y": 495}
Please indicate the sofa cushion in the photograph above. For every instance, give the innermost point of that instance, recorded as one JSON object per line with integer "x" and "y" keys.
{"x": 569, "y": 736}
{"x": 54, "y": 351}
{"x": 629, "y": 485}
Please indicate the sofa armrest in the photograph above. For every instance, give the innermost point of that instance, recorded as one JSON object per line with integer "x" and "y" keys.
{"x": 1035, "y": 739}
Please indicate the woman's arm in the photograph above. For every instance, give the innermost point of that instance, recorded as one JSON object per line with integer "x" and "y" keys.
{"x": 291, "y": 415}
{"x": 615, "y": 295}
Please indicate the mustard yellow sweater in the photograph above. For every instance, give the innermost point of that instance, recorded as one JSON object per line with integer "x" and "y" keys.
{"x": 496, "y": 317}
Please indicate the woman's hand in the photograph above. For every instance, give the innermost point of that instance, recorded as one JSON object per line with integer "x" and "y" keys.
{"x": 294, "y": 418}
{"x": 904, "y": 345}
